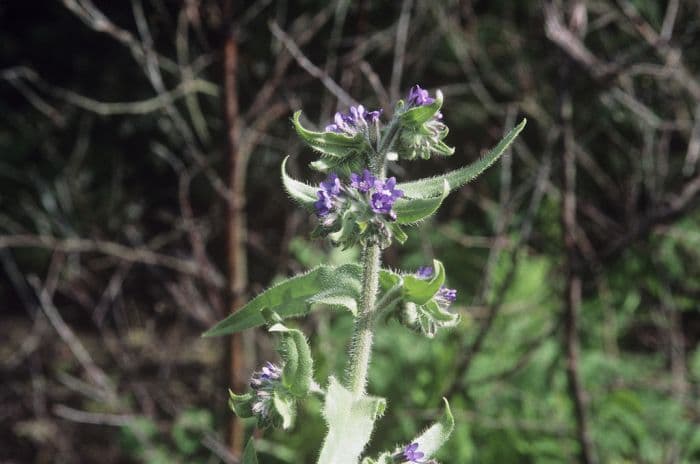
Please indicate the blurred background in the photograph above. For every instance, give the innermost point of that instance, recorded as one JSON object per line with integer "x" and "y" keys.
{"x": 140, "y": 202}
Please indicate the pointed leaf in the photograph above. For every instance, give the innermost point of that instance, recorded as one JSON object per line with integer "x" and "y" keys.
{"x": 418, "y": 115}
{"x": 297, "y": 374}
{"x": 350, "y": 423}
{"x": 420, "y": 291}
{"x": 430, "y": 441}
{"x": 241, "y": 405}
{"x": 338, "y": 298}
{"x": 290, "y": 297}
{"x": 398, "y": 233}
{"x": 330, "y": 143}
{"x": 300, "y": 192}
{"x": 286, "y": 408}
{"x": 410, "y": 210}
{"x": 388, "y": 279}
{"x": 384, "y": 458}
{"x": 433, "y": 186}
{"x": 249, "y": 455}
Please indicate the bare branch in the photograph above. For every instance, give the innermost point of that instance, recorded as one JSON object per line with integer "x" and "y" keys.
{"x": 311, "y": 68}
{"x": 136, "y": 255}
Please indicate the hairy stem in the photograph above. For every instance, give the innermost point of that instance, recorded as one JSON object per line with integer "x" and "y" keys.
{"x": 361, "y": 345}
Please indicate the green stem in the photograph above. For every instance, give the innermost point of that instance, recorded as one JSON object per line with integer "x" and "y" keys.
{"x": 361, "y": 345}
{"x": 362, "y": 337}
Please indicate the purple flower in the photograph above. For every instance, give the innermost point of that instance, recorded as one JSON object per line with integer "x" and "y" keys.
{"x": 411, "y": 453}
{"x": 362, "y": 183}
{"x": 356, "y": 119}
{"x": 424, "y": 272}
{"x": 330, "y": 189}
{"x": 445, "y": 297}
{"x": 373, "y": 116}
{"x": 268, "y": 373}
{"x": 386, "y": 194}
{"x": 388, "y": 188}
{"x": 331, "y": 185}
{"x": 263, "y": 384}
{"x": 419, "y": 97}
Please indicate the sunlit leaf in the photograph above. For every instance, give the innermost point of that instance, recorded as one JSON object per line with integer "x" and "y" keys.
{"x": 410, "y": 210}
{"x": 420, "y": 291}
{"x": 330, "y": 143}
{"x": 290, "y": 298}
{"x": 300, "y": 192}
{"x": 418, "y": 115}
{"x": 350, "y": 423}
{"x": 432, "y": 187}
{"x": 297, "y": 374}
{"x": 430, "y": 441}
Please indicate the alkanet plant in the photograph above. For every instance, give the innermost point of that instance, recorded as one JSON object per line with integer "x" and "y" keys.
{"x": 357, "y": 205}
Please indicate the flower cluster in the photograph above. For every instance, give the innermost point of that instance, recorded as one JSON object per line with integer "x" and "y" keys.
{"x": 263, "y": 383}
{"x": 425, "y": 137}
{"x": 445, "y": 296}
{"x": 357, "y": 119}
{"x": 361, "y": 208}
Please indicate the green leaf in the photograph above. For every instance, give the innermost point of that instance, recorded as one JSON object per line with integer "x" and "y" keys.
{"x": 410, "y": 210}
{"x": 285, "y": 407}
{"x": 249, "y": 456}
{"x": 398, "y": 233}
{"x": 337, "y": 298}
{"x": 241, "y": 405}
{"x": 290, "y": 298}
{"x": 388, "y": 279}
{"x": 431, "y": 187}
{"x": 300, "y": 192}
{"x": 418, "y": 115}
{"x": 350, "y": 423}
{"x": 429, "y": 317}
{"x": 420, "y": 291}
{"x": 430, "y": 441}
{"x": 330, "y": 143}
{"x": 297, "y": 375}
{"x": 384, "y": 458}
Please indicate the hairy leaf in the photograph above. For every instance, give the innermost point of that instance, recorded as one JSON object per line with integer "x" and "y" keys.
{"x": 430, "y": 441}
{"x": 410, "y": 210}
{"x": 431, "y": 187}
{"x": 330, "y": 143}
{"x": 350, "y": 423}
{"x": 290, "y": 298}
{"x": 300, "y": 192}
{"x": 297, "y": 375}
{"x": 418, "y": 115}
{"x": 249, "y": 456}
{"x": 241, "y": 405}
{"x": 420, "y": 291}
{"x": 285, "y": 406}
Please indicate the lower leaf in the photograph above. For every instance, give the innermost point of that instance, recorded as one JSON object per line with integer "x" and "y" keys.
{"x": 350, "y": 424}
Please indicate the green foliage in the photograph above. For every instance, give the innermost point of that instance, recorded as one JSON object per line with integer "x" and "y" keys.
{"x": 293, "y": 297}
{"x": 434, "y": 186}
{"x": 430, "y": 441}
{"x": 420, "y": 291}
{"x": 249, "y": 455}
{"x": 341, "y": 153}
{"x": 350, "y": 422}
{"x": 298, "y": 365}
{"x": 413, "y": 210}
{"x": 300, "y": 192}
